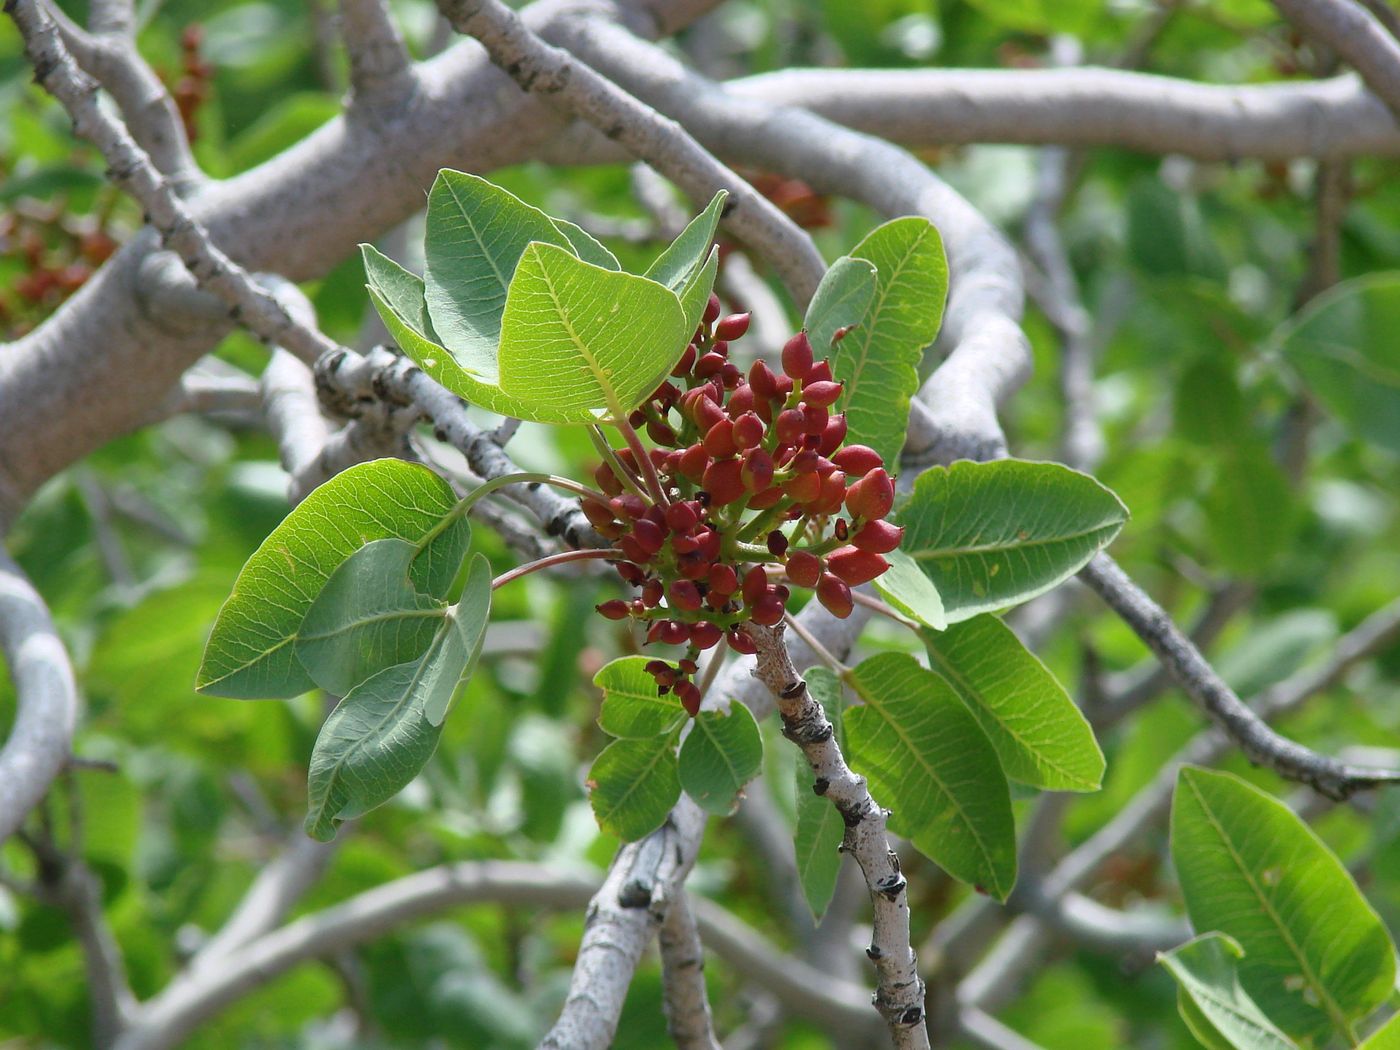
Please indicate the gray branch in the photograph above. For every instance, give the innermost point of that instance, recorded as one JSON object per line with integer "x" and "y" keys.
{"x": 1090, "y": 106}
{"x": 41, "y": 738}
{"x": 666, "y": 145}
{"x": 1357, "y": 36}
{"x": 380, "y": 67}
{"x": 688, "y": 1017}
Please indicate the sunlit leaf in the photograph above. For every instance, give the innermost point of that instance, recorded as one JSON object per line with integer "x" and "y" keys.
{"x": 721, "y": 753}
{"x": 633, "y": 784}
{"x": 820, "y": 828}
{"x": 1206, "y": 970}
{"x": 631, "y": 706}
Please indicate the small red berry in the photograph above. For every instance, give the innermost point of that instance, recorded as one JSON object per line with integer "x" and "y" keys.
{"x": 777, "y": 543}
{"x": 692, "y": 463}
{"x": 763, "y": 381}
{"x": 872, "y": 496}
{"x": 768, "y": 610}
{"x": 719, "y": 439}
{"x": 740, "y": 642}
{"x": 705, "y": 635}
{"x": 711, "y": 310}
{"x": 748, "y": 430}
{"x": 723, "y": 580}
{"x": 686, "y": 363}
{"x": 649, "y": 535}
{"x": 820, "y": 373}
{"x": 723, "y": 482}
{"x": 685, "y": 595}
{"x": 689, "y": 697}
{"x": 804, "y": 488}
{"x": 821, "y": 393}
{"x": 755, "y": 584}
{"x": 616, "y": 609}
{"x": 741, "y": 401}
{"x": 833, "y": 435}
{"x": 683, "y": 516}
{"x": 790, "y": 425}
{"x": 758, "y": 470}
{"x": 607, "y": 480}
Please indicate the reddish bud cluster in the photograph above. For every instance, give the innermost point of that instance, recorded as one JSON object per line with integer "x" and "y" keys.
{"x": 759, "y": 487}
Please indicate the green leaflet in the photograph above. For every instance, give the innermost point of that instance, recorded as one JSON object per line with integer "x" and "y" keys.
{"x": 367, "y": 617}
{"x": 586, "y": 246}
{"x": 1317, "y": 957}
{"x": 879, "y": 360}
{"x": 928, "y": 761}
{"x": 1213, "y": 1004}
{"x": 905, "y": 587}
{"x": 383, "y": 733}
{"x": 633, "y": 784}
{"x": 579, "y": 343}
{"x": 721, "y": 753}
{"x": 631, "y": 707}
{"x": 687, "y": 254}
{"x": 1039, "y": 735}
{"x": 843, "y": 298}
{"x": 476, "y": 234}
{"x": 991, "y": 535}
{"x": 250, "y": 652}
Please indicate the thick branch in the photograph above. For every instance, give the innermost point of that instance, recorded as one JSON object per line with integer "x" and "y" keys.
{"x": 1357, "y": 36}
{"x": 1092, "y": 107}
{"x": 688, "y": 1017}
{"x": 379, "y": 62}
{"x": 47, "y": 698}
{"x": 664, "y": 144}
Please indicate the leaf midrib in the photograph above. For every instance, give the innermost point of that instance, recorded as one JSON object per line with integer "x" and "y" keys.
{"x": 938, "y": 553}
{"x": 367, "y": 621}
{"x": 1332, "y": 1007}
{"x": 873, "y": 314}
{"x": 600, "y": 373}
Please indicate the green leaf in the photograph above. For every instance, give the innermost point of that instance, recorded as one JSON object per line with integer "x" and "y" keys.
{"x": 476, "y": 234}
{"x": 631, "y": 708}
{"x": 1343, "y": 345}
{"x": 688, "y": 253}
{"x": 250, "y": 654}
{"x": 721, "y": 753}
{"x": 586, "y": 246}
{"x": 1317, "y": 957}
{"x": 820, "y": 828}
{"x": 843, "y": 298}
{"x": 1205, "y": 969}
{"x": 1039, "y": 735}
{"x": 397, "y": 296}
{"x": 578, "y": 342}
{"x": 990, "y": 535}
{"x": 383, "y": 733}
{"x": 927, "y": 760}
{"x": 633, "y": 784}
{"x": 879, "y": 360}
{"x": 905, "y": 587}
{"x": 367, "y": 617}
{"x": 695, "y": 295}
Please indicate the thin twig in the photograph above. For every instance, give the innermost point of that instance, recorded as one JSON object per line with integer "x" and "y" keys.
{"x": 1355, "y": 34}
{"x": 130, "y": 168}
{"x": 380, "y": 67}
{"x": 1335, "y": 779}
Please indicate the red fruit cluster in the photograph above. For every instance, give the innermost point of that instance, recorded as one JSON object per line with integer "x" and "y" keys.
{"x": 758, "y": 488}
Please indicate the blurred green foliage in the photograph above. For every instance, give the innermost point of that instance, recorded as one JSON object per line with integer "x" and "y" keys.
{"x": 1187, "y": 270}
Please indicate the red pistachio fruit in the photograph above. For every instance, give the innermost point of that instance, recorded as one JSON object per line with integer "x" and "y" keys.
{"x": 740, "y": 642}
{"x": 723, "y": 482}
{"x": 616, "y": 609}
{"x": 878, "y": 536}
{"x": 835, "y": 595}
{"x": 732, "y": 327}
{"x": 856, "y": 566}
{"x": 804, "y": 568}
{"x": 797, "y": 356}
{"x": 872, "y": 496}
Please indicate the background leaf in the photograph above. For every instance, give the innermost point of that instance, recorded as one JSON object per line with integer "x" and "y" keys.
{"x": 1039, "y": 735}
{"x": 1205, "y": 970}
{"x": 1344, "y": 347}
{"x": 721, "y": 753}
{"x": 633, "y": 784}
{"x": 991, "y": 535}
{"x": 1317, "y": 957}
{"x": 250, "y": 653}
{"x": 820, "y": 828}
{"x": 879, "y": 360}
{"x": 929, "y": 762}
